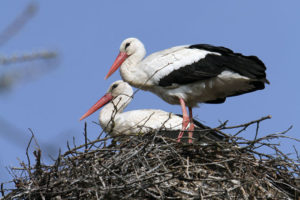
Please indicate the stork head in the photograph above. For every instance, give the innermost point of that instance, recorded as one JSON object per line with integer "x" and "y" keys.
{"x": 119, "y": 92}
{"x": 119, "y": 88}
{"x": 130, "y": 48}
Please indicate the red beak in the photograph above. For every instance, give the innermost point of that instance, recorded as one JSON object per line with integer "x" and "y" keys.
{"x": 104, "y": 100}
{"x": 118, "y": 62}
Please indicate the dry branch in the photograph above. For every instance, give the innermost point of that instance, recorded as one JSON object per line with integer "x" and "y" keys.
{"x": 30, "y": 64}
{"x": 157, "y": 167}
{"x": 18, "y": 23}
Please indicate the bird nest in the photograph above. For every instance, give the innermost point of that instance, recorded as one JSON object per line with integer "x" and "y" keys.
{"x": 157, "y": 167}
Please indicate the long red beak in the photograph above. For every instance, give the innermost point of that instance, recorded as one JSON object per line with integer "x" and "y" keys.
{"x": 118, "y": 62}
{"x": 104, "y": 100}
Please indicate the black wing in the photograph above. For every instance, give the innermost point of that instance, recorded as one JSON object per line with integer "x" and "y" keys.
{"x": 212, "y": 65}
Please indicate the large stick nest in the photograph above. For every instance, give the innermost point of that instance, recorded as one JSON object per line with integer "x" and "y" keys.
{"x": 157, "y": 167}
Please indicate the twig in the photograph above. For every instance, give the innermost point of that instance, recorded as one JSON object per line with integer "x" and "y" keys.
{"x": 155, "y": 167}
{"x": 27, "y": 154}
{"x": 85, "y": 136}
{"x": 18, "y": 23}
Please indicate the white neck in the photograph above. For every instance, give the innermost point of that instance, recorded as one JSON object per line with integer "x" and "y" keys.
{"x": 129, "y": 69}
{"x": 109, "y": 113}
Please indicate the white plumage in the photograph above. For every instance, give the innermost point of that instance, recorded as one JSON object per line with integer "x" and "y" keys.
{"x": 190, "y": 74}
{"x": 114, "y": 121}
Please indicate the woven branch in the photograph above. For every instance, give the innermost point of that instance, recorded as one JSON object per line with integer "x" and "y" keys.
{"x": 157, "y": 167}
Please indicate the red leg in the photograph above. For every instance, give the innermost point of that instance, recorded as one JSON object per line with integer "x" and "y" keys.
{"x": 191, "y": 128}
{"x": 185, "y": 120}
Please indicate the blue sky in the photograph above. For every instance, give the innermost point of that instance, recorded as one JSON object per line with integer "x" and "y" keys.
{"x": 87, "y": 36}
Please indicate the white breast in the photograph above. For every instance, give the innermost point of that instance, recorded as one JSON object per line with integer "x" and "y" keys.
{"x": 142, "y": 121}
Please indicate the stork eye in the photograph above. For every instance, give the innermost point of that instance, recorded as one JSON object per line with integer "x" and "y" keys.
{"x": 114, "y": 86}
{"x": 127, "y": 45}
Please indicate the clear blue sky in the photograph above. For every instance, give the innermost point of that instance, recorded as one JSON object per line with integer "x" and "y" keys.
{"x": 87, "y": 35}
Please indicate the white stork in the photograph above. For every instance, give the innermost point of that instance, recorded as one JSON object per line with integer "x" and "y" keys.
{"x": 189, "y": 74}
{"x": 114, "y": 121}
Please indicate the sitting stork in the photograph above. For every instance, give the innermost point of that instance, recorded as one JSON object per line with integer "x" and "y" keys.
{"x": 116, "y": 122}
{"x": 189, "y": 74}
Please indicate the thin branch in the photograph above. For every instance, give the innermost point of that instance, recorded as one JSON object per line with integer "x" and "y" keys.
{"x": 85, "y": 136}
{"x": 152, "y": 166}
{"x": 18, "y": 23}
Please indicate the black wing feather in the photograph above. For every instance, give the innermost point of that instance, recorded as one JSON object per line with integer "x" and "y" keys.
{"x": 212, "y": 65}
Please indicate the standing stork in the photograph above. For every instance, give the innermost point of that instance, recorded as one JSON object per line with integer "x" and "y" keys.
{"x": 189, "y": 74}
{"x": 116, "y": 122}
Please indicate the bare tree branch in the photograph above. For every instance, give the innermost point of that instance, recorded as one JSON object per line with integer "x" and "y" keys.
{"x": 152, "y": 166}
{"x": 18, "y": 23}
